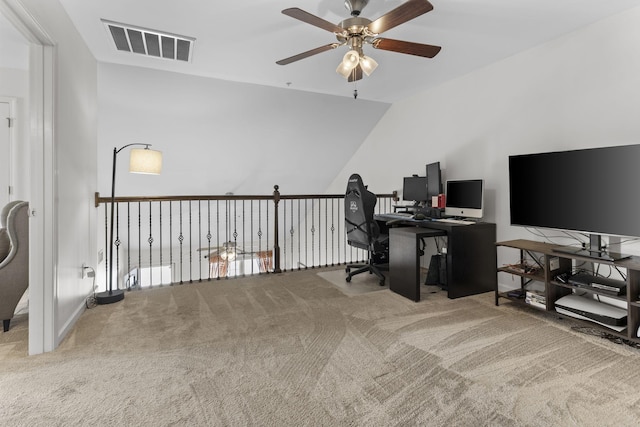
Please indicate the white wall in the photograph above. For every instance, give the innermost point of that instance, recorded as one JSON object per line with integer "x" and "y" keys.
{"x": 579, "y": 91}
{"x": 75, "y": 136}
{"x": 218, "y": 136}
{"x": 14, "y": 51}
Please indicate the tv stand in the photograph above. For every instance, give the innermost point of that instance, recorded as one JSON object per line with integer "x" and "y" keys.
{"x": 550, "y": 265}
{"x": 595, "y": 250}
{"x": 589, "y": 253}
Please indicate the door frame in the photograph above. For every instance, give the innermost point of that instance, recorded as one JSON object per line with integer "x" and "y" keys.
{"x": 42, "y": 209}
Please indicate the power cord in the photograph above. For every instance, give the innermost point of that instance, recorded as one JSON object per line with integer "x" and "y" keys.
{"x": 90, "y": 302}
{"x": 602, "y": 334}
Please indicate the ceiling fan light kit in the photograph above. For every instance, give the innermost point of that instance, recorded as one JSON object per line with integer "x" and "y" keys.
{"x": 350, "y": 61}
{"x": 368, "y": 65}
{"x": 355, "y": 32}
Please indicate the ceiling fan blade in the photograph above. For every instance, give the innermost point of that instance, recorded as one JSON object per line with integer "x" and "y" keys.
{"x": 401, "y": 14}
{"x": 303, "y": 16}
{"x": 356, "y": 74}
{"x": 307, "y": 54}
{"x": 418, "y": 49}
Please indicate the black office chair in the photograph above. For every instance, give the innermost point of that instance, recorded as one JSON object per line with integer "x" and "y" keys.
{"x": 363, "y": 231}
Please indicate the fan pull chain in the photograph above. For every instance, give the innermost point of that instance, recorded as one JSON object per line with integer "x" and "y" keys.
{"x": 355, "y": 85}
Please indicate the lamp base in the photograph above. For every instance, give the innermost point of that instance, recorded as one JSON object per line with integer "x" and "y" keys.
{"x": 109, "y": 297}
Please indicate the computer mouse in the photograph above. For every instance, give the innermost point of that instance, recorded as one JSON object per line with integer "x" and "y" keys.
{"x": 419, "y": 216}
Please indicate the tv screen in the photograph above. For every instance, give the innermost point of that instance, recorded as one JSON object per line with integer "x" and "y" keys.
{"x": 415, "y": 188}
{"x": 591, "y": 190}
{"x": 465, "y": 198}
{"x": 434, "y": 180}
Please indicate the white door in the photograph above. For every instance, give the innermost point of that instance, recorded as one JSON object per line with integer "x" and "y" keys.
{"x": 5, "y": 154}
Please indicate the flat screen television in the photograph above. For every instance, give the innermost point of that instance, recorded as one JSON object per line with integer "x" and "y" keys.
{"x": 465, "y": 198}
{"x": 415, "y": 188}
{"x": 591, "y": 190}
{"x": 434, "y": 180}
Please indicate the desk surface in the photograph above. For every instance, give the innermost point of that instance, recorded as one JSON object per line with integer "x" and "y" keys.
{"x": 425, "y": 223}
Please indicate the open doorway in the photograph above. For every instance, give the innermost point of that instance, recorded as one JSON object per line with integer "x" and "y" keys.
{"x": 14, "y": 95}
{"x": 37, "y": 166}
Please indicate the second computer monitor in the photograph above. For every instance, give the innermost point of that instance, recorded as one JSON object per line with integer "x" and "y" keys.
{"x": 415, "y": 189}
{"x": 434, "y": 180}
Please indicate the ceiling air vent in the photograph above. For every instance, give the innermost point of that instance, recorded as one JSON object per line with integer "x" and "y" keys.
{"x": 128, "y": 38}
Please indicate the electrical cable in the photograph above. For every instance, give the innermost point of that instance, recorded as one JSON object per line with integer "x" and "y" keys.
{"x": 90, "y": 302}
{"x": 539, "y": 233}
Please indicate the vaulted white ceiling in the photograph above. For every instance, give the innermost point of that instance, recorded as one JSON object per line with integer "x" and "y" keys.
{"x": 242, "y": 40}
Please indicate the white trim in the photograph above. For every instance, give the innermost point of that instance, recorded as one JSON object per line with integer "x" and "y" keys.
{"x": 42, "y": 236}
{"x": 70, "y": 323}
{"x": 13, "y": 137}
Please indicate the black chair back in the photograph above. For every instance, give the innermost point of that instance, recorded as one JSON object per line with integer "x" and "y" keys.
{"x": 359, "y": 205}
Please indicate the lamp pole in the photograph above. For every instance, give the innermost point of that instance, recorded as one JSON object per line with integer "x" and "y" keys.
{"x": 113, "y": 295}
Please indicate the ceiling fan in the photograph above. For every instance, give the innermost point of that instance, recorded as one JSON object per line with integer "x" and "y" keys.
{"x": 355, "y": 32}
{"x": 228, "y": 251}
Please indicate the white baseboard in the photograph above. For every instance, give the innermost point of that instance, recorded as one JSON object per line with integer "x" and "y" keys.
{"x": 70, "y": 323}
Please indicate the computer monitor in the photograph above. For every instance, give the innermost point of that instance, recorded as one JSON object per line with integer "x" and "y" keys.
{"x": 415, "y": 189}
{"x": 434, "y": 180}
{"x": 465, "y": 198}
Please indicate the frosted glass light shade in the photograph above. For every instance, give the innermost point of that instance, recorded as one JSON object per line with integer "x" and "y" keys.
{"x": 343, "y": 70}
{"x": 349, "y": 62}
{"x": 143, "y": 160}
{"x": 351, "y": 58}
{"x": 368, "y": 65}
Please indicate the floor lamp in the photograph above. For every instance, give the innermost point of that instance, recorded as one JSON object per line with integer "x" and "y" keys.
{"x": 141, "y": 160}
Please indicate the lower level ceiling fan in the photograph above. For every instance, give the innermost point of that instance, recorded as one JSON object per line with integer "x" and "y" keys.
{"x": 356, "y": 32}
{"x": 228, "y": 251}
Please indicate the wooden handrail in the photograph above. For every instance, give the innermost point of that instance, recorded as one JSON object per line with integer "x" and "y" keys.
{"x": 130, "y": 199}
{"x": 276, "y": 197}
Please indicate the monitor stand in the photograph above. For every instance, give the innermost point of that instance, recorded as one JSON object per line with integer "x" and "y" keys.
{"x": 594, "y": 250}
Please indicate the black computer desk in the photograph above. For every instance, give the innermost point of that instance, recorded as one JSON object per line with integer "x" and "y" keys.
{"x": 470, "y": 259}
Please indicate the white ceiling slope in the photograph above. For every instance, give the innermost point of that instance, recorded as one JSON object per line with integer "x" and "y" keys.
{"x": 241, "y": 40}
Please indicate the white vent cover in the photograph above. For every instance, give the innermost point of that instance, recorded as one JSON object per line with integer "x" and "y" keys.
{"x": 128, "y": 38}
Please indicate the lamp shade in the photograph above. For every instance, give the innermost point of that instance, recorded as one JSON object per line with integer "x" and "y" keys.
{"x": 146, "y": 161}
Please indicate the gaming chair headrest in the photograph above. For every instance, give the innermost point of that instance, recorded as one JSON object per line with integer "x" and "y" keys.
{"x": 358, "y": 191}
{"x": 355, "y": 183}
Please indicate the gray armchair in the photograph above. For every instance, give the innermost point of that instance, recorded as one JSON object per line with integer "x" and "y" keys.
{"x": 14, "y": 258}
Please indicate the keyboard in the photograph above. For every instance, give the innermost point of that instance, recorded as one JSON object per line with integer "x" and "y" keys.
{"x": 454, "y": 221}
{"x": 399, "y": 215}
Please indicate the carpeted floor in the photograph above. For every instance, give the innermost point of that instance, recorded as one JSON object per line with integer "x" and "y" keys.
{"x": 294, "y": 349}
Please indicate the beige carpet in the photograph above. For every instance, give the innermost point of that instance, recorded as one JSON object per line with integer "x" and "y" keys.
{"x": 360, "y": 284}
{"x": 294, "y": 350}
{"x": 364, "y": 283}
